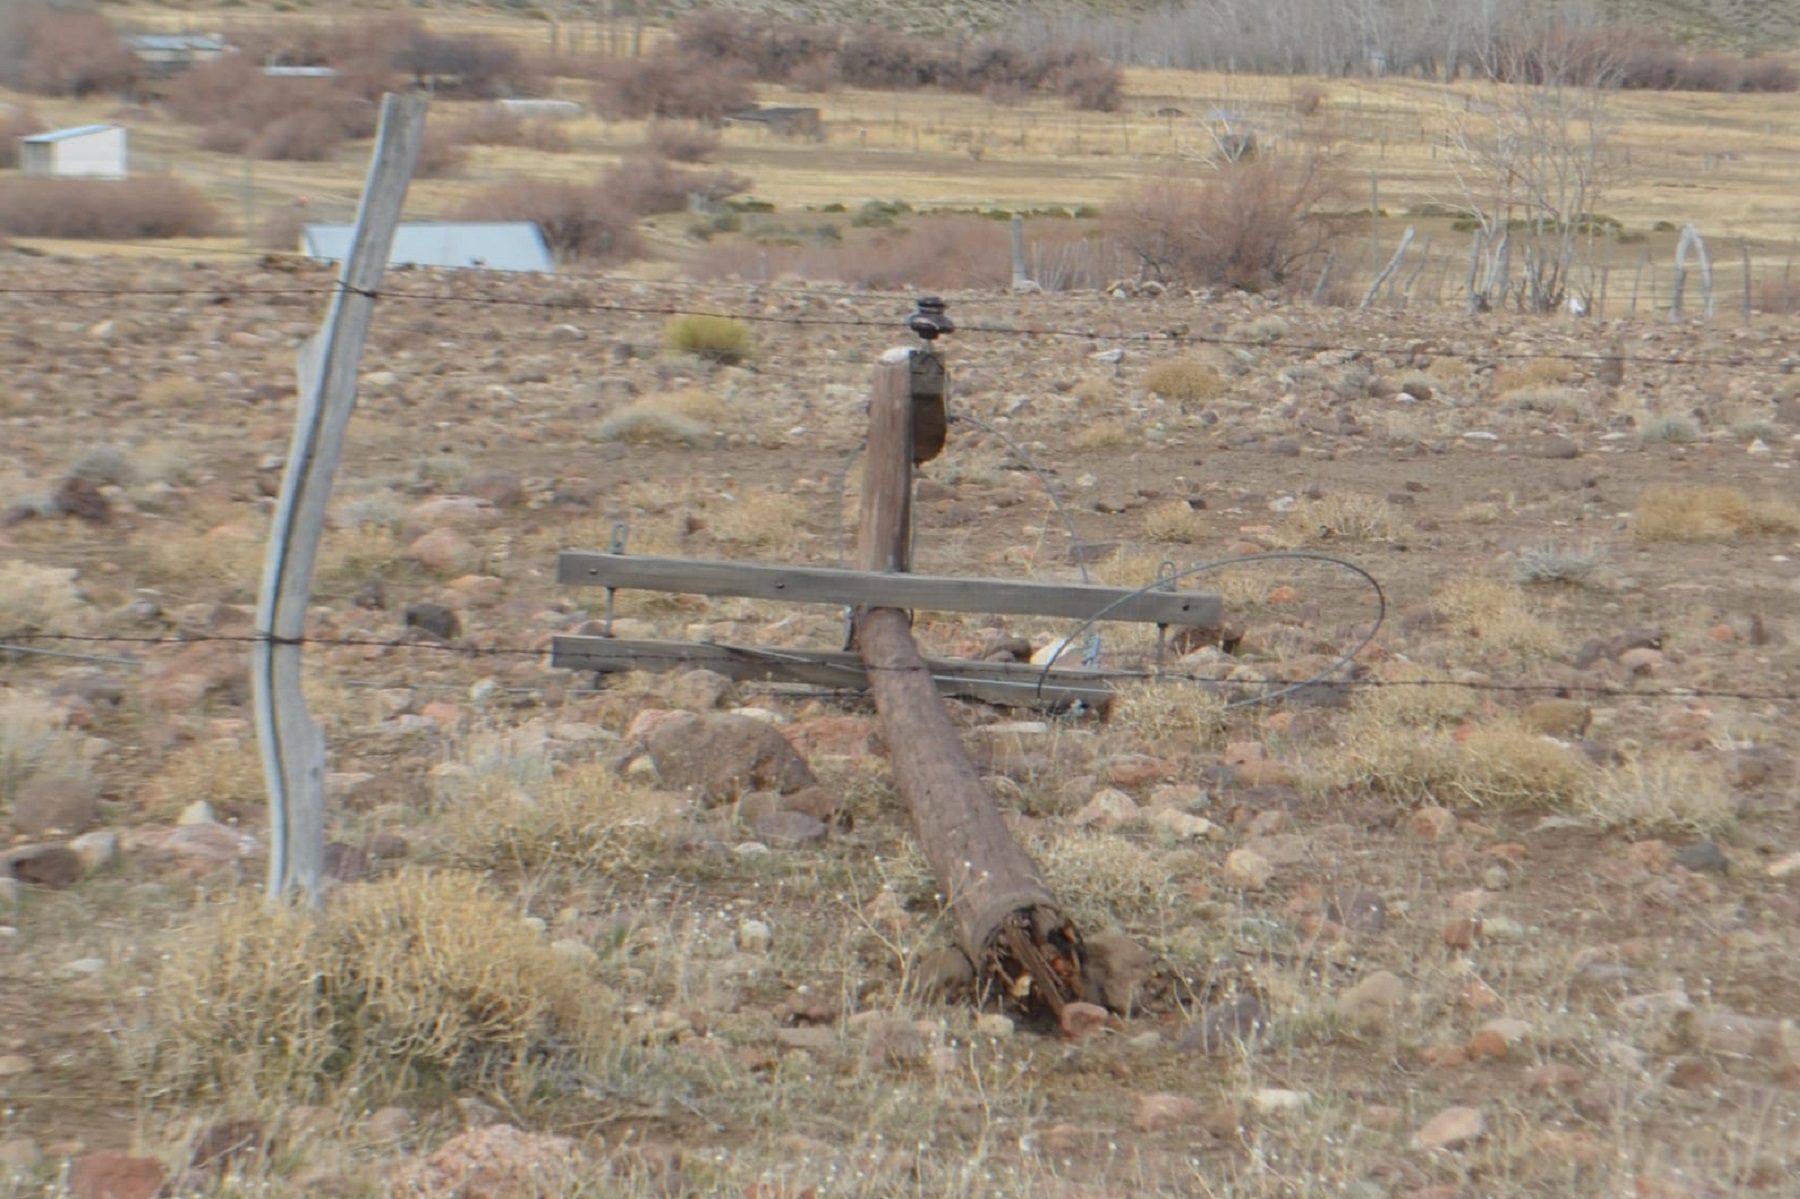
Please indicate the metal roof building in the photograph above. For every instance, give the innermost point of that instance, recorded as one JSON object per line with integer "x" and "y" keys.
{"x": 78, "y": 152}
{"x": 481, "y": 245}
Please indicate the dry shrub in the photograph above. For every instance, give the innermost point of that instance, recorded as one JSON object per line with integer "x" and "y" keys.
{"x": 585, "y": 819}
{"x": 13, "y": 126}
{"x": 644, "y": 186}
{"x": 36, "y": 746}
{"x": 422, "y": 981}
{"x": 1540, "y": 372}
{"x": 1496, "y": 615}
{"x": 498, "y": 127}
{"x": 761, "y": 518}
{"x": 1174, "y": 521}
{"x": 670, "y": 82}
{"x": 59, "y": 50}
{"x": 37, "y": 598}
{"x": 441, "y": 153}
{"x": 942, "y": 253}
{"x": 1101, "y": 435}
{"x": 1546, "y": 401}
{"x": 1350, "y": 517}
{"x": 1679, "y": 512}
{"x": 242, "y": 111}
{"x": 714, "y": 338}
{"x": 642, "y": 424}
{"x": 1306, "y": 99}
{"x": 1104, "y": 879}
{"x": 577, "y": 221}
{"x": 695, "y": 403}
{"x": 680, "y": 142}
{"x": 1406, "y": 696}
{"x": 1247, "y": 225}
{"x": 1185, "y": 380}
{"x": 174, "y": 391}
{"x": 1661, "y": 793}
{"x": 1629, "y": 56}
{"x": 112, "y": 210}
{"x": 1509, "y": 766}
{"x": 1158, "y": 711}
{"x": 226, "y": 774}
{"x": 1127, "y": 569}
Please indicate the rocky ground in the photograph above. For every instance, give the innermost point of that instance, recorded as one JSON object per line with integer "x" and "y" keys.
{"x": 1515, "y": 915}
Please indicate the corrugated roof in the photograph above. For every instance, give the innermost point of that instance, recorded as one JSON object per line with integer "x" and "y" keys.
{"x": 176, "y": 41}
{"x": 485, "y": 245}
{"x": 63, "y": 135}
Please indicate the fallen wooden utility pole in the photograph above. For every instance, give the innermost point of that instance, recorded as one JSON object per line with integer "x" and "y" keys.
{"x": 1006, "y": 920}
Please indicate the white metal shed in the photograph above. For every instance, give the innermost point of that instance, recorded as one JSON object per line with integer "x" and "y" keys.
{"x": 482, "y": 245}
{"x": 79, "y": 152}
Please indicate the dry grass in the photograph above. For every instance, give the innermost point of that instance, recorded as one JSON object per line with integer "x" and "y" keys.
{"x": 1663, "y": 792}
{"x": 1541, "y": 564}
{"x": 423, "y": 981}
{"x": 1155, "y": 711}
{"x": 35, "y": 745}
{"x": 1350, "y": 517}
{"x": 1174, "y": 521}
{"x": 1101, "y": 435}
{"x": 763, "y": 518}
{"x": 695, "y": 403}
{"x": 1678, "y": 512}
{"x": 1545, "y": 401}
{"x": 649, "y": 425}
{"x": 37, "y": 598}
{"x": 1184, "y": 380}
{"x": 1497, "y": 616}
{"x": 228, "y": 556}
{"x": 1508, "y": 766}
{"x": 226, "y": 774}
{"x": 175, "y": 391}
{"x": 1538, "y": 373}
{"x": 585, "y": 819}
{"x": 714, "y": 338}
{"x": 1126, "y": 569}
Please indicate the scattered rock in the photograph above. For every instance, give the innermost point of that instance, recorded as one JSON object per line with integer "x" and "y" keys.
{"x": 97, "y": 849}
{"x": 1246, "y": 870}
{"x": 1110, "y": 808}
{"x": 52, "y": 865}
{"x": 494, "y": 1162}
{"x": 1703, "y": 857}
{"x": 1083, "y": 1020}
{"x": 701, "y": 691}
{"x": 790, "y": 830}
{"x": 500, "y": 488}
{"x": 1273, "y": 1101}
{"x": 435, "y": 620}
{"x": 1373, "y": 1000}
{"x": 445, "y": 551}
{"x": 82, "y": 499}
{"x": 1462, "y": 932}
{"x": 1451, "y": 1128}
{"x": 1161, "y": 1112}
{"x": 754, "y": 936}
{"x": 52, "y": 806}
{"x": 720, "y": 755}
{"x": 1432, "y": 822}
{"x": 1786, "y": 866}
{"x": 1183, "y": 825}
{"x": 108, "y": 1175}
{"x": 1358, "y": 909}
{"x": 1506, "y": 1031}
{"x": 14, "y": 1065}
{"x": 1116, "y": 967}
{"x": 198, "y": 812}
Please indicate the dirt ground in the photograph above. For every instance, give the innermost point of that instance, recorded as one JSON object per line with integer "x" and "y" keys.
{"x": 1581, "y": 852}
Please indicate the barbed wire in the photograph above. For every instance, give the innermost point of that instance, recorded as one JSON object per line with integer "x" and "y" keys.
{"x": 1359, "y": 682}
{"x": 1163, "y": 337}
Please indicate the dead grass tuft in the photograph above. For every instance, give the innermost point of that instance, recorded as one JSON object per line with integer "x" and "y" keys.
{"x": 419, "y": 982}
{"x": 39, "y": 599}
{"x": 714, "y": 338}
{"x": 1677, "y": 512}
{"x": 1663, "y": 792}
{"x": 762, "y": 518}
{"x": 1509, "y": 766}
{"x": 1156, "y": 711}
{"x": 1497, "y": 615}
{"x": 1174, "y": 521}
{"x": 1540, "y": 372}
{"x": 644, "y": 425}
{"x": 1349, "y": 517}
{"x": 35, "y": 745}
{"x": 1101, "y": 435}
{"x": 1184, "y": 380}
{"x": 586, "y": 818}
{"x": 175, "y": 391}
{"x": 226, "y": 774}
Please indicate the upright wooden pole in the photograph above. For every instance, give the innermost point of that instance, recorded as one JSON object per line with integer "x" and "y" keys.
{"x": 1003, "y": 912}
{"x": 291, "y": 742}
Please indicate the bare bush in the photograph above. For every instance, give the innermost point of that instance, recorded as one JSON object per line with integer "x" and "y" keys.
{"x": 681, "y": 143}
{"x": 940, "y": 253}
{"x": 58, "y": 50}
{"x": 441, "y": 153}
{"x": 498, "y": 127}
{"x": 579, "y": 223}
{"x": 13, "y": 126}
{"x": 472, "y": 67}
{"x": 1249, "y": 225}
{"x": 122, "y": 210}
{"x": 672, "y": 83}
{"x": 644, "y": 185}
{"x": 241, "y": 110}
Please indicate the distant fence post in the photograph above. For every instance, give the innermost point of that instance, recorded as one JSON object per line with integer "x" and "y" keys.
{"x": 291, "y": 743}
{"x": 1691, "y": 243}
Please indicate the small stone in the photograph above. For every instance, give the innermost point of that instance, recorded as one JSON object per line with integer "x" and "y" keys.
{"x": 754, "y": 936}
{"x": 107, "y": 1175}
{"x": 1641, "y": 661}
{"x": 1786, "y": 866}
{"x": 1161, "y": 1112}
{"x": 1183, "y": 825}
{"x": 1237, "y": 1022}
{"x": 1511, "y": 1031}
{"x": 1451, "y": 1128}
{"x": 1501, "y": 928}
{"x": 198, "y": 812}
{"x": 96, "y": 849}
{"x": 434, "y": 620}
{"x": 50, "y": 807}
{"x": 1461, "y": 932}
{"x": 1246, "y": 870}
{"x": 1109, "y": 809}
{"x": 790, "y": 830}
{"x": 1703, "y": 857}
{"x": 1495, "y": 878}
{"x": 444, "y": 550}
{"x": 701, "y": 691}
{"x": 1373, "y": 1000}
{"x": 1432, "y": 822}
{"x": 387, "y": 1124}
{"x": 85, "y": 967}
{"x": 994, "y": 1024}
{"x": 51, "y": 865}
{"x": 12, "y": 1065}
{"x": 1273, "y": 1101}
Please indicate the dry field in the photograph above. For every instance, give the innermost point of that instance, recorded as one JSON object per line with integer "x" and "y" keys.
{"x": 1565, "y": 915}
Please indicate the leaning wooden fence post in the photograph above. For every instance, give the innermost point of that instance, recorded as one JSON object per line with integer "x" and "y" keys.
{"x": 290, "y": 741}
{"x": 1005, "y": 918}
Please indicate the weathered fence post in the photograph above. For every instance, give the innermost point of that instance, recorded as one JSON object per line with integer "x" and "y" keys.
{"x": 1393, "y": 265}
{"x": 290, "y": 741}
{"x": 1691, "y": 243}
{"x": 1005, "y": 918}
